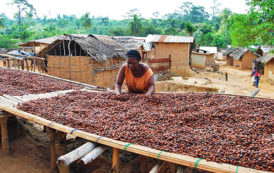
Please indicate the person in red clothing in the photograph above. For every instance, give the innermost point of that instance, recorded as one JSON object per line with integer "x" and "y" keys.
{"x": 139, "y": 76}
{"x": 256, "y": 75}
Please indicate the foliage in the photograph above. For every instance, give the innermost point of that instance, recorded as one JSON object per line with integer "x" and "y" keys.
{"x": 217, "y": 28}
{"x": 24, "y": 8}
{"x": 256, "y": 27}
{"x": 86, "y": 21}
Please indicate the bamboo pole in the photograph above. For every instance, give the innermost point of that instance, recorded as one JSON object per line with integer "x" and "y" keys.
{"x": 52, "y": 150}
{"x": 135, "y": 148}
{"x": 115, "y": 160}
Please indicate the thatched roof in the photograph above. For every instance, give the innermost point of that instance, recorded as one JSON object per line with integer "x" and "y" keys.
{"x": 230, "y": 51}
{"x": 129, "y": 42}
{"x": 49, "y": 40}
{"x": 238, "y": 53}
{"x": 266, "y": 58}
{"x": 99, "y": 47}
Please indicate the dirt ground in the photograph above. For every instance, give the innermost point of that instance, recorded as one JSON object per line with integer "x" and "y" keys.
{"x": 239, "y": 82}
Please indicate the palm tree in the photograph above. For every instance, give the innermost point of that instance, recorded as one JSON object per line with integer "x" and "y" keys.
{"x": 190, "y": 28}
{"x": 86, "y": 21}
{"x": 135, "y": 25}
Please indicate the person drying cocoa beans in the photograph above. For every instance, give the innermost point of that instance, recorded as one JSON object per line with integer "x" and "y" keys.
{"x": 139, "y": 76}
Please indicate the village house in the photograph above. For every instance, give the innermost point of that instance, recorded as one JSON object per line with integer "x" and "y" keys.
{"x": 268, "y": 61}
{"x": 201, "y": 58}
{"x": 91, "y": 59}
{"x": 240, "y": 57}
{"x": 166, "y": 52}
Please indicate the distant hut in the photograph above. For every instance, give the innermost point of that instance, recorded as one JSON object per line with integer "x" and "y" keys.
{"x": 166, "y": 52}
{"x": 268, "y": 61}
{"x": 200, "y": 58}
{"x": 241, "y": 58}
{"x": 93, "y": 59}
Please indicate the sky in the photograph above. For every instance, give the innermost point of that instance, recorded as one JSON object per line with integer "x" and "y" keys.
{"x": 116, "y": 9}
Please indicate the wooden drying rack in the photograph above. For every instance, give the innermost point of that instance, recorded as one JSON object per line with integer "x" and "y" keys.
{"x": 8, "y": 107}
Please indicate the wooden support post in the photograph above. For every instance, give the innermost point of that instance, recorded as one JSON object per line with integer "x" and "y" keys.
{"x": 34, "y": 64}
{"x": 27, "y": 64}
{"x": 22, "y": 65}
{"x": 115, "y": 160}
{"x": 52, "y": 150}
{"x": 4, "y": 132}
{"x": 8, "y": 63}
{"x": 63, "y": 168}
{"x": 61, "y": 142}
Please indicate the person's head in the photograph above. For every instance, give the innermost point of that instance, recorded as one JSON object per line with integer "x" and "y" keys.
{"x": 133, "y": 59}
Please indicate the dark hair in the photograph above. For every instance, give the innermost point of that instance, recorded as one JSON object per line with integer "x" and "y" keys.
{"x": 134, "y": 54}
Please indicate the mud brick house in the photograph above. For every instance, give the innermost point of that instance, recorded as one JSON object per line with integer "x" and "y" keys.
{"x": 91, "y": 59}
{"x": 240, "y": 57}
{"x": 268, "y": 61}
{"x": 167, "y": 52}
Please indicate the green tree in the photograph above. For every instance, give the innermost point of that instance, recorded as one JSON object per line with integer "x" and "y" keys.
{"x": 2, "y": 22}
{"x": 86, "y": 21}
{"x": 190, "y": 28}
{"x": 256, "y": 27}
{"x": 24, "y": 9}
{"x": 135, "y": 25}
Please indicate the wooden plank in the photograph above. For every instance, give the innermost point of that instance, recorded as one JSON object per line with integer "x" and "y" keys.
{"x": 115, "y": 160}
{"x": 135, "y": 148}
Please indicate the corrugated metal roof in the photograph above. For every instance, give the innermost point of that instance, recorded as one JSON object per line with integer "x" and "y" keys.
{"x": 169, "y": 39}
{"x": 209, "y": 49}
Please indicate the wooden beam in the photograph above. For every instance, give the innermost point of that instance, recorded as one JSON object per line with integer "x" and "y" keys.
{"x": 77, "y": 153}
{"x": 93, "y": 154}
{"x": 52, "y": 150}
{"x": 115, "y": 160}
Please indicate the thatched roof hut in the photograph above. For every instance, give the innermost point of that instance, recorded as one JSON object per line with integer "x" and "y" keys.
{"x": 98, "y": 47}
{"x": 240, "y": 57}
{"x": 92, "y": 59}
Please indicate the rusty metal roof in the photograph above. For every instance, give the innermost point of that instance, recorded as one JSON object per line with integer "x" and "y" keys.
{"x": 169, "y": 39}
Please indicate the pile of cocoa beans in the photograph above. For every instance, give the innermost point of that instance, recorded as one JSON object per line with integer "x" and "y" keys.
{"x": 227, "y": 129}
{"x": 18, "y": 82}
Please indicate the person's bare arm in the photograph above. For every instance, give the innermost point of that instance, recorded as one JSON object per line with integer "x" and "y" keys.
{"x": 120, "y": 79}
{"x": 151, "y": 85}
